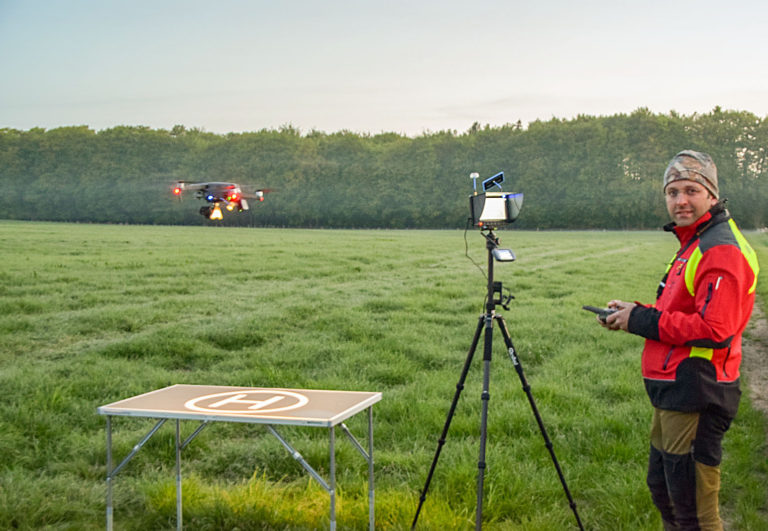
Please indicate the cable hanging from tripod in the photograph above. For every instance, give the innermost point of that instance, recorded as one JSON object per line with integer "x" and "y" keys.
{"x": 466, "y": 252}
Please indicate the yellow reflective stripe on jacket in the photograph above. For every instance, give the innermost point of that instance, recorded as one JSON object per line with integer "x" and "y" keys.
{"x": 699, "y": 352}
{"x": 744, "y": 247}
{"x": 690, "y": 269}
{"x": 748, "y": 252}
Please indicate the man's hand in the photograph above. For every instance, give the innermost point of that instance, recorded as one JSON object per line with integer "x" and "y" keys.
{"x": 620, "y": 319}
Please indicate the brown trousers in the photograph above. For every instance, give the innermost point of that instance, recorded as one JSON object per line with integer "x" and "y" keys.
{"x": 684, "y": 468}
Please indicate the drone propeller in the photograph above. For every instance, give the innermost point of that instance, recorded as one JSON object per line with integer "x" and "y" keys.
{"x": 258, "y": 194}
{"x": 181, "y": 186}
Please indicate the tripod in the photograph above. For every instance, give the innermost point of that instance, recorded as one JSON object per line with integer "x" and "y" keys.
{"x": 485, "y": 323}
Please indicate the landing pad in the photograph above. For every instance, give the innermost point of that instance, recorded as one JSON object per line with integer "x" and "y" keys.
{"x": 245, "y": 404}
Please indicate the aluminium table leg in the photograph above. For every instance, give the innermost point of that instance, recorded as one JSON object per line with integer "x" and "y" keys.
{"x": 109, "y": 473}
{"x": 333, "y": 479}
{"x": 178, "y": 477}
{"x": 112, "y": 472}
{"x": 371, "y": 504}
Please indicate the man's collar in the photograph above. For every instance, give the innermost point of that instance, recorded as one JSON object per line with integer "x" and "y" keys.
{"x": 713, "y": 216}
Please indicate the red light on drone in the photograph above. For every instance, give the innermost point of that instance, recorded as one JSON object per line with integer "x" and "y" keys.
{"x": 177, "y": 191}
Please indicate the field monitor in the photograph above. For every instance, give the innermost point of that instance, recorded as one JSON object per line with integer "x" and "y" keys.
{"x": 493, "y": 209}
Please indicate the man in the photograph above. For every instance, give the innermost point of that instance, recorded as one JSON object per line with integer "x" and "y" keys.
{"x": 692, "y": 351}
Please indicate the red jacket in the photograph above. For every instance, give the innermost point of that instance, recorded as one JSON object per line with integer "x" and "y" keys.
{"x": 693, "y": 332}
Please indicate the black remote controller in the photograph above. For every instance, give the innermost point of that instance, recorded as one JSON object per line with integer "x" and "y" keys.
{"x": 602, "y": 313}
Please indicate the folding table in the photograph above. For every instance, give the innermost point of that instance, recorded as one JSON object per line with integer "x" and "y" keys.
{"x": 251, "y": 405}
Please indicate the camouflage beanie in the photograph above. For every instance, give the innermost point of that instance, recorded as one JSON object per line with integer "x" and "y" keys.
{"x": 693, "y": 166}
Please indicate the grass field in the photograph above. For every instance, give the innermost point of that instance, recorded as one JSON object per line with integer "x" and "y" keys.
{"x": 90, "y": 314}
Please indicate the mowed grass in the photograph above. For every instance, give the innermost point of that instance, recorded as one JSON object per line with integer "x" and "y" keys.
{"x": 91, "y": 314}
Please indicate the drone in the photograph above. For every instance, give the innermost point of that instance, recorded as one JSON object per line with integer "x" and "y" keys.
{"x": 218, "y": 194}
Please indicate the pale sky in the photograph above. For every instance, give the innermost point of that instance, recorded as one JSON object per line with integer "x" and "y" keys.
{"x": 372, "y": 66}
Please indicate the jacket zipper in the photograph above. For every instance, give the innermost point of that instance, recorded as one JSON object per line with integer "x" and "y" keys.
{"x": 666, "y": 360}
{"x": 706, "y": 301}
{"x": 727, "y": 355}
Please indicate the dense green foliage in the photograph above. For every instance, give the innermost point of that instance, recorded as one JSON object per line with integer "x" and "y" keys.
{"x": 91, "y": 314}
{"x": 589, "y": 172}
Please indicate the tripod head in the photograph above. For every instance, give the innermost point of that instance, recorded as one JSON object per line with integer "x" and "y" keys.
{"x": 499, "y": 298}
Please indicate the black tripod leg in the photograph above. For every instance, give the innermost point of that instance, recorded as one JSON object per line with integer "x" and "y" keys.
{"x": 485, "y": 398}
{"x": 444, "y": 434}
{"x": 527, "y": 389}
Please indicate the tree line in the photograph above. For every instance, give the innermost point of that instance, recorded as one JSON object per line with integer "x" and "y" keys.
{"x": 583, "y": 173}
